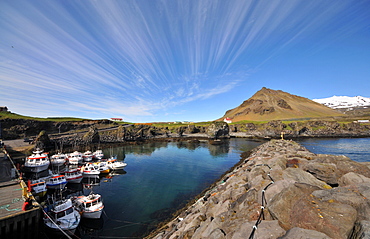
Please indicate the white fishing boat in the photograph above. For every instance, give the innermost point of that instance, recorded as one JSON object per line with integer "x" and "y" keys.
{"x": 37, "y": 162}
{"x": 73, "y": 175}
{"x": 113, "y": 164}
{"x": 98, "y": 154}
{"x": 75, "y": 158}
{"x": 38, "y": 187}
{"x": 87, "y": 156}
{"x": 102, "y": 167}
{"x": 62, "y": 216}
{"x": 90, "y": 170}
{"x": 56, "y": 182}
{"x": 90, "y": 206}
{"x": 58, "y": 159}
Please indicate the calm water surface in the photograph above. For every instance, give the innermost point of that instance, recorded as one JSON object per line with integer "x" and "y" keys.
{"x": 357, "y": 149}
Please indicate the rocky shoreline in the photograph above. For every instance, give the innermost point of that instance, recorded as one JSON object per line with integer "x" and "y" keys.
{"x": 281, "y": 191}
{"x": 16, "y": 129}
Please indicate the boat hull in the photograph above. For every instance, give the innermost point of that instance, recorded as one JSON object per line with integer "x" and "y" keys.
{"x": 56, "y": 186}
{"x": 57, "y": 163}
{"x": 36, "y": 169}
{"x": 68, "y": 226}
{"x": 92, "y": 215}
{"x": 75, "y": 180}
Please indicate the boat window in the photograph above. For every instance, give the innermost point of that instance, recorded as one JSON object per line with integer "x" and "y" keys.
{"x": 60, "y": 214}
{"x": 88, "y": 204}
{"x": 69, "y": 211}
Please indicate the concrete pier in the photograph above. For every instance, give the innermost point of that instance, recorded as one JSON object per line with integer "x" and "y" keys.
{"x": 14, "y": 222}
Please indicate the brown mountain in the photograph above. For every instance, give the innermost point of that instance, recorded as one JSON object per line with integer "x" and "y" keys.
{"x": 269, "y": 104}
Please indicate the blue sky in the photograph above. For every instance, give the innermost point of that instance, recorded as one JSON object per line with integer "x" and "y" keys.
{"x": 152, "y": 60}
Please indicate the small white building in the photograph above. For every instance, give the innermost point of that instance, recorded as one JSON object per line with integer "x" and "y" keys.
{"x": 228, "y": 120}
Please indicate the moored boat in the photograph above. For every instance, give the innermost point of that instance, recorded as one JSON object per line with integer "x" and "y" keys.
{"x": 38, "y": 187}
{"x": 90, "y": 206}
{"x": 58, "y": 159}
{"x": 56, "y": 182}
{"x": 75, "y": 158}
{"x": 37, "y": 162}
{"x": 113, "y": 164}
{"x": 73, "y": 175}
{"x": 98, "y": 154}
{"x": 102, "y": 167}
{"x": 62, "y": 215}
{"x": 87, "y": 156}
{"x": 90, "y": 170}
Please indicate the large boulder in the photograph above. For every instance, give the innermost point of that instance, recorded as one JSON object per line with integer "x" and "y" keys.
{"x": 326, "y": 172}
{"x": 295, "y": 206}
{"x": 352, "y": 178}
{"x": 218, "y": 130}
{"x": 344, "y": 164}
{"x": 300, "y": 233}
{"x": 43, "y": 141}
{"x": 92, "y": 136}
{"x": 361, "y": 230}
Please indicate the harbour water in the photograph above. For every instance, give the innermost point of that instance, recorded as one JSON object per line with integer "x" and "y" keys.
{"x": 160, "y": 176}
{"x": 357, "y": 149}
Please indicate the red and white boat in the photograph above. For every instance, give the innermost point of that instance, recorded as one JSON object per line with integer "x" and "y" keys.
{"x": 38, "y": 187}
{"x": 90, "y": 206}
{"x": 98, "y": 154}
{"x": 37, "y": 162}
{"x": 102, "y": 167}
{"x": 90, "y": 170}
{"x": 113, "y": 164}
{"x": 73, "y": 175}
{"x": 58, "y": 159}
{"x": 75, "y": 158}
{"x": 87, "y": 156}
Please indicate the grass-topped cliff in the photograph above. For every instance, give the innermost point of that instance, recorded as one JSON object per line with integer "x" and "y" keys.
{"x": 10, "y": 115}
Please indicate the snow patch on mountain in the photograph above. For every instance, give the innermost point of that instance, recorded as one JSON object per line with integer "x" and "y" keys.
{"x": 336, "y": 102}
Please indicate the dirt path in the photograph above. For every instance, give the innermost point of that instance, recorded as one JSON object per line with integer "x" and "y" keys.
{"x": 16, "y": 144}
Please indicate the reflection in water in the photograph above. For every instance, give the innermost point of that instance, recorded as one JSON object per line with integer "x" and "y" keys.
{"x": 219, "y": 149}
{"x": 91, "y": 227}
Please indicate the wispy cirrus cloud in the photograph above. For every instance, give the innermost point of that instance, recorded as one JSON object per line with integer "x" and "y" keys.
{"x": 141, "y": 57}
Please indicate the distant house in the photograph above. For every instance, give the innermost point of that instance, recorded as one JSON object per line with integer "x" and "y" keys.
{"x": 4, "y": 108}
{"x": 228, "y": 120}
{"x": 362, "y": 121}
{"x": 116, "y": 119}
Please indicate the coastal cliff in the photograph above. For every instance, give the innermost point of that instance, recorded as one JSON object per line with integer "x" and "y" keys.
{"x": 281, "y": 191}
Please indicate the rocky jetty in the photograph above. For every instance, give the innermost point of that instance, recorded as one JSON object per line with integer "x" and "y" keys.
{"x": 281, "y": 191}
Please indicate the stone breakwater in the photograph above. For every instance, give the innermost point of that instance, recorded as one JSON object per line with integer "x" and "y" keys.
{"x": 281, "y": 191}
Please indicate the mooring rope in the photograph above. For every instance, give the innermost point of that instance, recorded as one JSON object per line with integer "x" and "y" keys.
{"x": 264, "y": 203}
{"x": 128, "y": 222}
{"x": 14, "y": 200}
